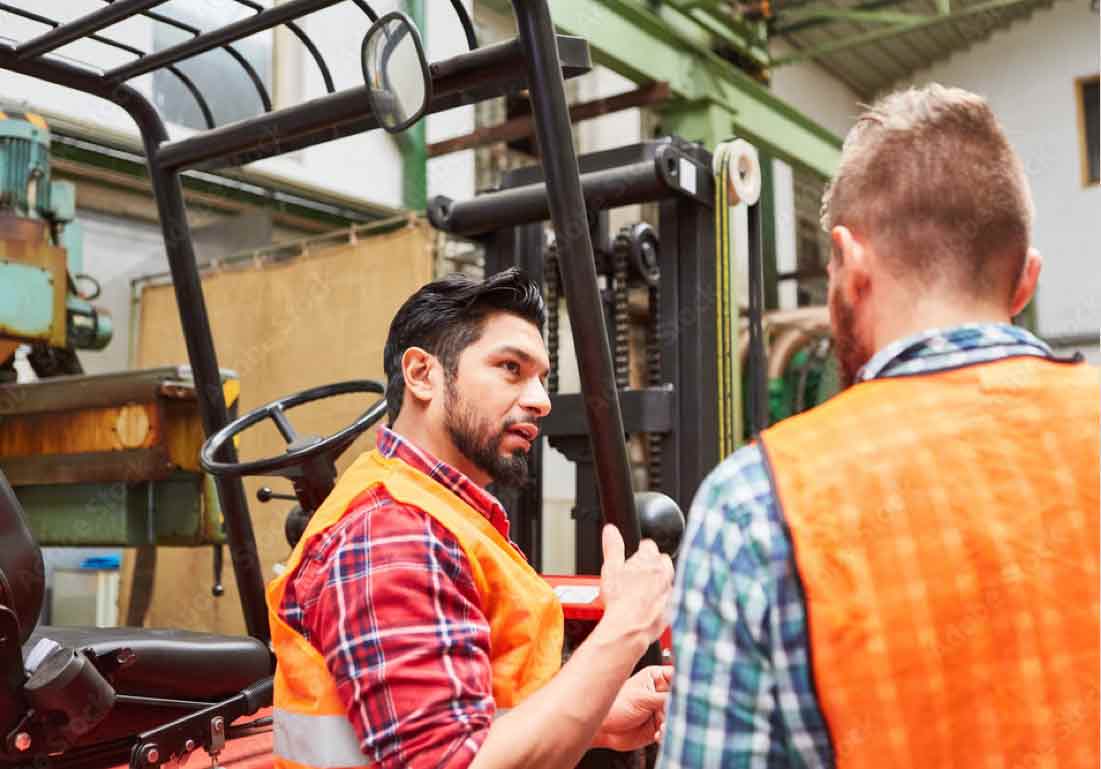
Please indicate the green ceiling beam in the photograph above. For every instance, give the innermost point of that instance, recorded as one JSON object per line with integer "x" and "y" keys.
{"x": 740, "y": 37}
{"x": 747, "y": 37}
{"x": 900, "y": 29}
{"x": 627, "y": 37}
{"x": 855, "y": 14}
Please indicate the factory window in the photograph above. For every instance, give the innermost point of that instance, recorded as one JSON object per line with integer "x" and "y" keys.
{"x": 224, "y": 83}
{"x": 1090, "y": 129}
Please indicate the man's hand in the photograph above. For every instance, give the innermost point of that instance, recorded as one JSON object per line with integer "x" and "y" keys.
{"x": 635, "y": 591}
{"x": 638, "y": 713}
{"x": 591, "y": 701}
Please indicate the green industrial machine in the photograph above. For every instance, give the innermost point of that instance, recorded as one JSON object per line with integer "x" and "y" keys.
{"x": 104, "y": 460}
{"x": 41, "y": 258}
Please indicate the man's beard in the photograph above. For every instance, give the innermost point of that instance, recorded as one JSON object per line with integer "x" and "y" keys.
{"x": 480, "y": 442}
{"x": 851, "y": 355}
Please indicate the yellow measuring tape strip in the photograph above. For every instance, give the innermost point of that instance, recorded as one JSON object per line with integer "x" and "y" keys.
{"x": 725, "y": 338}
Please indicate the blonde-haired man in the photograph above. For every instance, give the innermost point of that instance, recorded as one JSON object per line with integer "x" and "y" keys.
{"x": 907, "y": 575}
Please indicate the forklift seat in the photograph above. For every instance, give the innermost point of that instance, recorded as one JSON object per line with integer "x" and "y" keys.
{"x": 173, "y": 664}
{"x": 170, "y": 664}
{"x": 22, "y": 573}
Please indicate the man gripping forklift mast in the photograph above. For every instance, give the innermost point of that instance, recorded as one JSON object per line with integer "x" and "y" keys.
{"x": 409, "y": 630}
{"x": 907, "y": 575}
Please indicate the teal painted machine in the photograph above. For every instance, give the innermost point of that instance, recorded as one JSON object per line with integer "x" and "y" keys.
{"x": 41, "y": 258}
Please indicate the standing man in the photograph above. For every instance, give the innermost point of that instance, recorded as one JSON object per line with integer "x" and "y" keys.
{"x": 409, "y": 630}
{"x": 907, "y": 575}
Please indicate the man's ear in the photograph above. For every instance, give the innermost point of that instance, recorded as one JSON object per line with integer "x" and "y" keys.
{"x": 852, "y": 270}
{"x": 1026, "y": 283}
{"x": 419, "y": 368}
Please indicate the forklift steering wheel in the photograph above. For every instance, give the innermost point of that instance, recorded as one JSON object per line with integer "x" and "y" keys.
{"x": 300, "y": 448}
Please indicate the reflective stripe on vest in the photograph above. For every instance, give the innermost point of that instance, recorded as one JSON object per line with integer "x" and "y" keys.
{"x": 523, "y": 613}
{"x": 325, "y": 742}
{"x": 945, "y": 530}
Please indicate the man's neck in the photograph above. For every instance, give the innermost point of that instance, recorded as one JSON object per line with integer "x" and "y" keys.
{"x": 899, "y": 320}
{"x": 439, "y": 446}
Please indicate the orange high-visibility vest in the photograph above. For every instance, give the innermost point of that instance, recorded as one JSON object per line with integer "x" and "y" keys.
{"x": 525, "y": 618}
{"x": 945, "y": 530}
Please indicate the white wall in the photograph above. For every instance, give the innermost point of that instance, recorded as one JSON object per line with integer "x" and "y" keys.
{"x": 451, "y": 175}
{"x": 830, "y": 103}
{"x": 115, "y": 251}
{"x": 1027, "y": 73}
{"x": 815, "y": 92}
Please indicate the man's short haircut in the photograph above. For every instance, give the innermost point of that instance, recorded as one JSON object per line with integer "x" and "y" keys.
{"x": 928, "y": 177}
{"x": 448, "y": 315}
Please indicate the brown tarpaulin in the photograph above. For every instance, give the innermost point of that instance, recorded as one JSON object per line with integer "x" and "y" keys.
{"x": 316, "y": 319}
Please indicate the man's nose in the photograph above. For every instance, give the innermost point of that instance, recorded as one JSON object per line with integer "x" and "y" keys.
{"x": 535, "y": 400}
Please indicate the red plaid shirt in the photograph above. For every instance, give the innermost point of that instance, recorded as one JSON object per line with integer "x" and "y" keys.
{"x": 386, "y": 595}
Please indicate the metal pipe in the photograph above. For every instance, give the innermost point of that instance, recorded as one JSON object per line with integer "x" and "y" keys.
{"x": 367, "y": 10}
{"x": 575, "y": 248}
{"x": 412, "y": 142}
{"x": 82, "y": 27}
{"x": 799, "y": 26}
{"x": 492, "y": 70}
{"x": 216, "y": 38}
{"x": 208, "y": 384}
{"x": 521, "y": 127}
{"x": 204, "y": 108}
{"x": 265, "y": 98}
{"x": 468, "y": 25}
{"x": 306, "y": 41}
{"x": 627, "y": 185}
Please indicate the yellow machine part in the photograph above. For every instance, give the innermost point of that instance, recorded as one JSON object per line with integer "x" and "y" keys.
{"x": 170, "y": 423}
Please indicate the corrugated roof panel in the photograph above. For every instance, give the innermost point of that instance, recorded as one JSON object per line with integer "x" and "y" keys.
{"x": 873, "y": 66}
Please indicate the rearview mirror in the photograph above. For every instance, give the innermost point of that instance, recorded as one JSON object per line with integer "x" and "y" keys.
{"x": 396, "y": 72}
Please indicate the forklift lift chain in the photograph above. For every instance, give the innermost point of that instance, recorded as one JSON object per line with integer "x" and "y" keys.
{"x": 553, "y": 294}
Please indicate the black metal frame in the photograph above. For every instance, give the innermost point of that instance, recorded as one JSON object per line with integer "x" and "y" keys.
{"x": 682, "y": 414}
{"x": 538, "y": 59}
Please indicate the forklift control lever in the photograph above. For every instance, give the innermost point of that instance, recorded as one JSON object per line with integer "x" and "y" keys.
{"x": 264, "y": 494}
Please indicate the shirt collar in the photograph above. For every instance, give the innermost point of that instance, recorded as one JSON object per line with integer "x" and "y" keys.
{"x": 938, "y": 348}
{"x": 391, "y": 444}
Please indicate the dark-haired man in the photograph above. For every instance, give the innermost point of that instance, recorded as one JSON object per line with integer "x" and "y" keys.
{"x": 906, "y": 576}
{"x": 410, "y": 631}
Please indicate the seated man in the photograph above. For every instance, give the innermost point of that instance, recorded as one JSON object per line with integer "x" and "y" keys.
{"x": 409, "y": 630}
{"x": 907, "y": 575}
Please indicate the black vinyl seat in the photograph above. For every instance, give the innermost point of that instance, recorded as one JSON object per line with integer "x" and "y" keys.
{"x": 22, "y": 573}
{"x": 174, "y": 664}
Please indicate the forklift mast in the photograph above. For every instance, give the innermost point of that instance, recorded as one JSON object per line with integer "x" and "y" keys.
{"x": 670, "y": 265}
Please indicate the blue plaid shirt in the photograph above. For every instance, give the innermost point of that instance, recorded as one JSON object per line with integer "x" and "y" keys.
{"x": 743, "y": 695}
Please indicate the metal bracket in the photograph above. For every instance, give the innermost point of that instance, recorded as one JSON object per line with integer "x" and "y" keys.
{"x": 206, "y": 728}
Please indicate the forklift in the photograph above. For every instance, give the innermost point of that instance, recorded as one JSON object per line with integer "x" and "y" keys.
{"x": 87, "y": 697}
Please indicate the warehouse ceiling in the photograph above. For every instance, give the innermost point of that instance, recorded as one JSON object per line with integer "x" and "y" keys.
{"x": 873, "y": 44}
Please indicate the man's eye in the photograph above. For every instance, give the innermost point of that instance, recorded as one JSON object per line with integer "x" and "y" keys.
{"x": 511, "y": 366}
